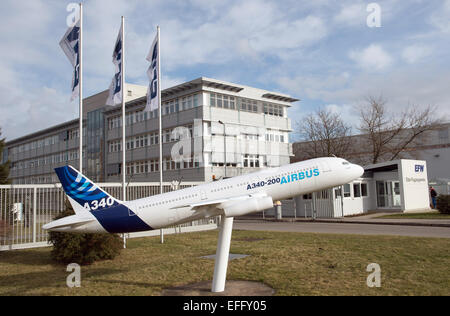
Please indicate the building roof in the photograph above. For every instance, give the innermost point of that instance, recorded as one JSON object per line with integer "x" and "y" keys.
{"x": 387, "y": 165}
{"x": 211, "y": 83}
{"x": 383, "y": 166}
{"x": 97, "y": 100}
{"x": 43, "y": 132}
{"x": 279, "y": 97}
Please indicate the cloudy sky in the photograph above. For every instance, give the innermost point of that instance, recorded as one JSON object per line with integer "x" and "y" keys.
{"x": 322, "y": 52}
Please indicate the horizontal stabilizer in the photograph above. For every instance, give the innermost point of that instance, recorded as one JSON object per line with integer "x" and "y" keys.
{"x": 68, "y": 222}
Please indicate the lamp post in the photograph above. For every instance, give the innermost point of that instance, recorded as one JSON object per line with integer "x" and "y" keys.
{"x": 224, "y": 149}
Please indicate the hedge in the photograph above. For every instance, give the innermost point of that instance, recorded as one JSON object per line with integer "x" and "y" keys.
{"x": 83, "y": 248}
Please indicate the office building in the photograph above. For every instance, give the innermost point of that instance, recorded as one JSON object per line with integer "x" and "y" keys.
{"x": 211, "y": 129}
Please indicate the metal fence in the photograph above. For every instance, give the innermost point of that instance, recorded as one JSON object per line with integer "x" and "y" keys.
{"x": 24, "y": 209}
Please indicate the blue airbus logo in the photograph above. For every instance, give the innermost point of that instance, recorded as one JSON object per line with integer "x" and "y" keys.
{"x": 290, "y": 178}
{"x": 419, "y": 168}
{"x": 300, "y": 176}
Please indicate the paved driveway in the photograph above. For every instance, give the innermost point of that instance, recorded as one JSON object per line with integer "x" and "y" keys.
{"x": 344, "y": 228}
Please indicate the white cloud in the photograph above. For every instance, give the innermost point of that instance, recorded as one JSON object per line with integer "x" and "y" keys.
{"x": 314, "y": 87}
{"x": 347, "y": 113}
{"x": 372, "y": 58}
{"x": 353, "y": 14}
{"x": 440, "y": 19}
{"x": 299, "y": 47}
{"x": 403, "y": 87}
{"x": 415, "y": 53}
{"x": 250, "y": 29}
{"x": 34, "y": 110}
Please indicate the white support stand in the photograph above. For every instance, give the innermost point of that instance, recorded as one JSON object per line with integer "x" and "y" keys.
{"x": 222, "y": 254}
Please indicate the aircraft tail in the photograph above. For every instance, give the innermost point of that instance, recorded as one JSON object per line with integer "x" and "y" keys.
{"x": 83, "y": 194}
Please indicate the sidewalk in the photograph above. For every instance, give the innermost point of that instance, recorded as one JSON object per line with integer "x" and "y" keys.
{"x": 365, "y": 219}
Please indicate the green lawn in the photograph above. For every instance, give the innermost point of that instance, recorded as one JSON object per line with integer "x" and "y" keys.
{"x": 428, "y": 215}
{"x": 291, "y": 263}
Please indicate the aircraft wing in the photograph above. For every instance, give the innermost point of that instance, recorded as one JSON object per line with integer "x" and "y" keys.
{"x": 211, "y": 203}
{"x": 233, "y": 206}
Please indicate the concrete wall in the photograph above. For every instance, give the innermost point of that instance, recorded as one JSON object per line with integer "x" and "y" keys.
{"x": 437, "y": 162}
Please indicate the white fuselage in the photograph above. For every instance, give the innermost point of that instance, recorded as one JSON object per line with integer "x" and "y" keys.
{"x": 279, "y": 183}
{"x": 229, "y": 197}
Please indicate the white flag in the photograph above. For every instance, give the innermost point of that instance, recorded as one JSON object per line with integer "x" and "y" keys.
{"x": 70, "y": 44}
{"x": 115, "y": 89}
{"x": 153, "y": 76}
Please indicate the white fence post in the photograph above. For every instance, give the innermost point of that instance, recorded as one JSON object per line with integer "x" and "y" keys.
{"x": 34, "y": 213}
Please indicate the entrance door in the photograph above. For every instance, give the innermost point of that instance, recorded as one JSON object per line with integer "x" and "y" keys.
{"x": 388, "y": 194}
{"x": 381, "y": 194}
{"x": 396, "y": 200}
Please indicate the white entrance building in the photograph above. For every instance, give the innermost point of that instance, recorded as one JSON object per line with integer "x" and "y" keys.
{"x": 400, "y": 185}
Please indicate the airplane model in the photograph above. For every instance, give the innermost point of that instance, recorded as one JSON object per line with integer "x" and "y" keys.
{"x": 98, "y": 212}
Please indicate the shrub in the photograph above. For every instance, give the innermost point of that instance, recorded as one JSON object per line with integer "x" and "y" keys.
{"x": 83, "y": 248}
{"x": 443, "y": 204}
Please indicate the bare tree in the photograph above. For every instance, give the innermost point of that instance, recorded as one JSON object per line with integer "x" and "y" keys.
{"x": 323, "y": 134}
{"x": 386, "y": 135}
{"x": 4, "y": 167}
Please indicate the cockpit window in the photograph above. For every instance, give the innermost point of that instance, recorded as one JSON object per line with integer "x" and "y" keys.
{"x": 345, "y": 163}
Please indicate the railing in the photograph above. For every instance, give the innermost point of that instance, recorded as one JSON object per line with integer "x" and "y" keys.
{"x": 24, "y": 209}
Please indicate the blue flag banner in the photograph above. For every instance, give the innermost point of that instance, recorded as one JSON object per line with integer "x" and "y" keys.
{"x": 115, "y": 88}
{"x": 152, "y": 73}
{"x": 70, "y": 44}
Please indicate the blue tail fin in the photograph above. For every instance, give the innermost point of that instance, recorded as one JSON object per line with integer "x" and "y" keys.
{"x": 83, "y": 194}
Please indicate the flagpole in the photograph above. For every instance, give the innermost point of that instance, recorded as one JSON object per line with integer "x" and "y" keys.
{"x": 160, "y": 114}
{"x": 160, "y": 124}
{"x": 124, "y": 156}
{"x": 122, "y": 83}
{"x": 81, "y": 87}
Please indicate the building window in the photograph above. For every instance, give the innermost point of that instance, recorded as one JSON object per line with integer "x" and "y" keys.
{"x": 273, "y": 109}
{"x": 114, "y": 122}
{"x": 364, "y": 191}
{"x": 275, "y": 136}
{"x": 251, "y": 161}
{"x": 249, "y": 105}
{"x": 250, "y": 136}
{"x": 337, "y": 192}
{"x": 221, "y": 101}
{"x": 357, "y": 190}
{"x": 347, "y": 190}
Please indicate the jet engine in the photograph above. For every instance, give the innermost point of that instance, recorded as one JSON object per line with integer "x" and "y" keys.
{"x": 246, "y": 206}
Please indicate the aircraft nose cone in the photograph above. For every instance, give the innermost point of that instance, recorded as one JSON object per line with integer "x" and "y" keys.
{"x": 359, "y": 171}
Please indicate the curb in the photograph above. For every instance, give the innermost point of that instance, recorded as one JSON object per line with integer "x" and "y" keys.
{"x": 386, "y": 223}
{"x": 371, "y": 222}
